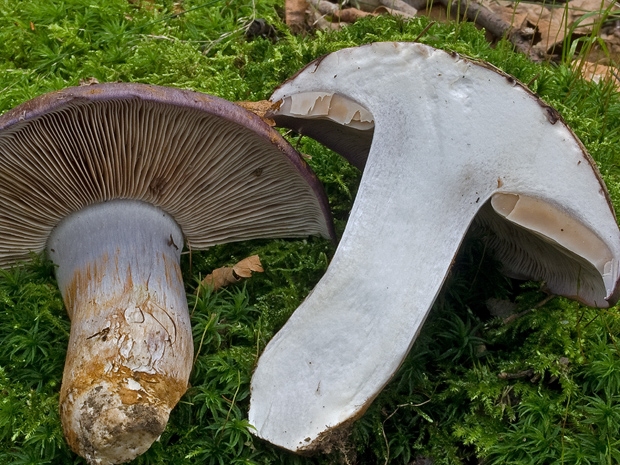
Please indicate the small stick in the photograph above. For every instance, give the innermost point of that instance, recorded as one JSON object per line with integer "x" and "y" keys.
{"x": 424, "y": 31}
{"x": 516, "y": 316}
{"x": 484, "y": 17}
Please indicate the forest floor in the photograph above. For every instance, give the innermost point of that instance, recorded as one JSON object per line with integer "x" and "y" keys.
{"x": 584, "y": 32}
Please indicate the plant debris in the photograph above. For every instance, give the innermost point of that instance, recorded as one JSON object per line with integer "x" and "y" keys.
{"x": 226, "y": 275}
{"x": 325, "y": 14}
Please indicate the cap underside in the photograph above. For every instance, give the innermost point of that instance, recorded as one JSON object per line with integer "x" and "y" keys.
{"x": 576, "y": 266}
{"x": 220, "y": 181}
{"x": 339, "y": 123}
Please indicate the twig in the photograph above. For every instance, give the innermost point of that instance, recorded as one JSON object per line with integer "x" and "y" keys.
{"x": 424, "y": 31}
{"x": 232, "y": 404}
{"x": 399, "y": 5}
{"x": 533, "y": 80}
{"x": 152, "y": 36}
{"x": 189, "y": 246}
{"x": 516, "y": 316}
{"x": 518, "y": 375}
{"x": 191, "y": 315}
{"x": 211, "y": 320}
{"x": 484, "y": 17}
{"x": 387, "y": 444}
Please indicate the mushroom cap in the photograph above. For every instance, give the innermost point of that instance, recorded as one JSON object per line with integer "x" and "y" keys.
{"x": 217, "y": 169}
{"x": 526, "y": 246}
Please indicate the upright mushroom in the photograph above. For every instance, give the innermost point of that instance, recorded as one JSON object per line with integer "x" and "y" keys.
{"x": 453, "y": 142}
{"x": 113, "y": 179}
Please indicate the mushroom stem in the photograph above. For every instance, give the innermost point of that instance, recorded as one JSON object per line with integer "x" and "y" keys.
{"x": 130, "y": 350}
{"x": 341, "y": 346}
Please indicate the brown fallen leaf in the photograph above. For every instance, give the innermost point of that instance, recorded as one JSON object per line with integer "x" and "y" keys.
{"x": 89, "y": 81}
{"x": 221, "y": 277}
{"x": 545, "y": 26}
{"x": 588, "y": 14}
{"x": 295, "y": 15}
{"x": 259, "y": 108}
{"x": 245, "y": 267}
{"x": 599, "y": 72}
{"x": 350, "y": 15}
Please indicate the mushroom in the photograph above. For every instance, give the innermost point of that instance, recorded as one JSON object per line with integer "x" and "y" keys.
{"x": 112, "y": 180}
{"x": 455, "y": 143}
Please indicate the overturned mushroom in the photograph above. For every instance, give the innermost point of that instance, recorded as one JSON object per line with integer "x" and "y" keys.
{"x": 112, "y": 180}
{"x": 454, "y": 142}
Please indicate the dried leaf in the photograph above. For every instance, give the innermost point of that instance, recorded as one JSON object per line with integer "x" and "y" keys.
{"x": 259, "y": 108}
{"x": 599, "y": 72}
{"x": 220, "y": 277}
{"x": 549, "y": 24}
{"x": 350, "y": 15}
{"x": 582, "y": 12}
{"x": 225, "y": 276}
{"x": 245, "y": 267}
{"x": 89, "y": 81}
{"x": 294, "y": 14}
{"x": 338, "y": 14}
{"x": 545, "y": 27}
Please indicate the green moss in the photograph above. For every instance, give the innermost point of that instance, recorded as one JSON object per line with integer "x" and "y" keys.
{"x": 448, "y": 400}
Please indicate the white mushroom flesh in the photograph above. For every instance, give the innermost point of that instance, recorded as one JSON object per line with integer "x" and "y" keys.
{"x": 451, "y": 137}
